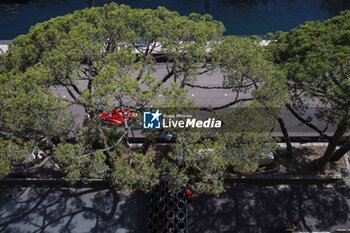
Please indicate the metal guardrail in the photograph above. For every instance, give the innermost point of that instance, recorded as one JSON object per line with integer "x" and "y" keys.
{"x": 257, "y": 179}
{"x": 304, "y": 139}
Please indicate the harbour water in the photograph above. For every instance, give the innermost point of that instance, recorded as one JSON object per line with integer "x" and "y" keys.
{"x": 240, "y": 17}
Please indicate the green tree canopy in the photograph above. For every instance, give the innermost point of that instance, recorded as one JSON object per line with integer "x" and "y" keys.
{"x": 106, "y": 57}
{"x": 316, "y": 59}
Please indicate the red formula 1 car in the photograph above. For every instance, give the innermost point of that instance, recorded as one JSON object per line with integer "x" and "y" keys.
{"x": 115, "y": 117}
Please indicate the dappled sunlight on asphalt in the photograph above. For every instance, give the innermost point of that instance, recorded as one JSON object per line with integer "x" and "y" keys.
{"x": 269, "y": 209}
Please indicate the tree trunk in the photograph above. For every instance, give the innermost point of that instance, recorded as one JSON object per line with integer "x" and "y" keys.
{"x": 332, "y": 143}
{"x": 304, "y": 121}
{"x": 286, "y": 137}
{"x": 338, "y": 154}
{"x": 146, "y": 145}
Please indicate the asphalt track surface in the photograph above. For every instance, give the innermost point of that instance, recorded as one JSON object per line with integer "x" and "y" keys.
{"x": 212, "y": 98}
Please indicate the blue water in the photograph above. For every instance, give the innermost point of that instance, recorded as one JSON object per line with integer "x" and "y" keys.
{"x": 240, "y": 17}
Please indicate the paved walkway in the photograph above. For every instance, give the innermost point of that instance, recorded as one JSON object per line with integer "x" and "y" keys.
{"x": 58, "y": 210}
{"x": 260, "y": 209}
{"x": 243, "y": 209}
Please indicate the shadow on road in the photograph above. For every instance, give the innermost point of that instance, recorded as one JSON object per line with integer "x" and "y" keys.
{"x": 62, "y": 210}
{"x": 271, "y": 209}
{"x": 243, "y": 208}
